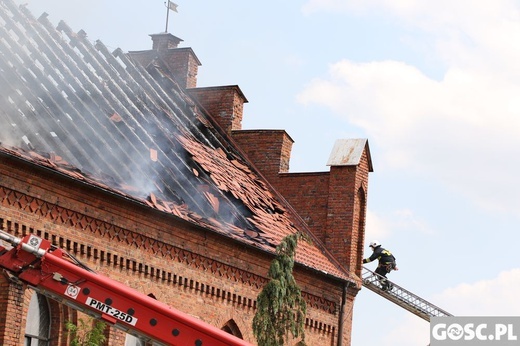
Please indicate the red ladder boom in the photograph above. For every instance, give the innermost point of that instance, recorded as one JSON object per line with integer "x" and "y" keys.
{"x": 56, "y": 274}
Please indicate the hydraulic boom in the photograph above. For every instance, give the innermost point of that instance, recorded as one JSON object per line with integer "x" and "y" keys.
{"x": 58, "y": 275}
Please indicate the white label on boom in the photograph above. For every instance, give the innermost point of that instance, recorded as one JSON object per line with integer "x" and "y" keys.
{"x": 107, "y": 309}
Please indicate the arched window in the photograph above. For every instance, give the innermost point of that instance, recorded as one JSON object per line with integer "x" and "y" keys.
{"x": 361, "y": 199}
{"x": 37, "y": 329}
{"x": 232, "y": 328}
{"x": 133, "y": 341}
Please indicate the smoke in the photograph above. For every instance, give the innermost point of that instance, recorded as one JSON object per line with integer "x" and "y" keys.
{"x": 129, "y": 128}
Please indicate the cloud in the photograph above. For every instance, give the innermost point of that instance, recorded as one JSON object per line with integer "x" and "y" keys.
{"x": 383, "y": 226}
{"x": 412, "y": 331}
{"x": 493, "y": 297}
{"x": 376, "y": 227}
{"x": 461, "y": 29}
{"x": 405, "y": 219}
{"x": 461, "y": 129}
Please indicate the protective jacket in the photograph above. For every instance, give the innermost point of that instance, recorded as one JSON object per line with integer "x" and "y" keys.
{"x": 384, "y": 256}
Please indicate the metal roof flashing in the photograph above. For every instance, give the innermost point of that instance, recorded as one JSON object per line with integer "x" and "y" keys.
{"x": 348, "y": 152}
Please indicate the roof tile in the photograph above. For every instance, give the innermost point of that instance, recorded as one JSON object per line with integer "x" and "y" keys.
{"x": 104, "y": 120}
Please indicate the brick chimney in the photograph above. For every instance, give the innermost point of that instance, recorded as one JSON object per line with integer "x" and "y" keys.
{"x": 224, "y": 103}
{"x": 164, "y": 41}
{"x": 350, "y": 163}
{"x": 182, "y": 63}
{"x": 269, "y": 150}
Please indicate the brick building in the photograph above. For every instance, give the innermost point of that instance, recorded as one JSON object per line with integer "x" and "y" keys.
{"x": 122, "y": 160}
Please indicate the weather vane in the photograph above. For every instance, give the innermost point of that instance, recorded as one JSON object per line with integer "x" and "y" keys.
{"x": 170, "y": 6}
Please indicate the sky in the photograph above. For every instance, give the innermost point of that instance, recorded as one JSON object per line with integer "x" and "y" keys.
{"x": 433, "y": 85}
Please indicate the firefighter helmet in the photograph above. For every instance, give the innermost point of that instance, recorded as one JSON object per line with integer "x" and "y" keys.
{"x": 374, "y": 244}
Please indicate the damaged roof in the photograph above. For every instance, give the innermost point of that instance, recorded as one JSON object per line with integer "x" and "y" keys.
{"x": 71, "y": 105}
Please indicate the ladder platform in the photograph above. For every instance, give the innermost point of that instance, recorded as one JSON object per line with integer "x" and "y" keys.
{"x": 402, "y": 297}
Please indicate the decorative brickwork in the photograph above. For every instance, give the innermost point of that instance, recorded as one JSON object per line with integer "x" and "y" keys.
{"x": 125, "y": 163}
{"x": 12, "y": 323}
{"x": 69, "y": 218}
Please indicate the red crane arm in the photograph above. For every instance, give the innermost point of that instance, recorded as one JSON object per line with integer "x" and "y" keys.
{"x": 53, "y": 272}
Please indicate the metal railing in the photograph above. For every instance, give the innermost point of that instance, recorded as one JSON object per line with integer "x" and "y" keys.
{"x": 402, "y": 297}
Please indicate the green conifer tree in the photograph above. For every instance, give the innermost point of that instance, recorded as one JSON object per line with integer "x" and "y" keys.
{"x": 280, "y": 307}
{"x": 88, "y": 332}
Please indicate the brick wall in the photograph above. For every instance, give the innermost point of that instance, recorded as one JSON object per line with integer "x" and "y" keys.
{"x": 269, "y": 150}
{"x": 224, "y": 103}
{"x": 11, "y": 313}
{"x": 308, "y": 193}
{"x": 164, "y": 41}
{"x": 184, "y": 65}
{"x": 192, "y": 269}
{"x": 333, "y": 204}
{"x": 341, "y": 209}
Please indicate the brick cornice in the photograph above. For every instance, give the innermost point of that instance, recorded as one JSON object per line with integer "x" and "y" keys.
{"x": 102, "y": 229}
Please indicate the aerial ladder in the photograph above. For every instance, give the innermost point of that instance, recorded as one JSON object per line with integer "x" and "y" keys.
{"x": 401, "y": 296}
{"x": 56, "y": 274}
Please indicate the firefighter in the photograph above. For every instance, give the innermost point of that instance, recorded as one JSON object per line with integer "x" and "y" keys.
{"x": 386, "y": 263}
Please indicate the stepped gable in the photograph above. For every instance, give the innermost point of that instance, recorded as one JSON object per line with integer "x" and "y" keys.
{"x": 99, "y": 118}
